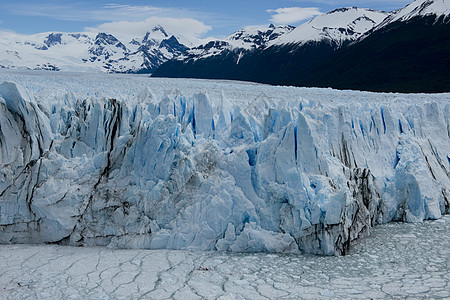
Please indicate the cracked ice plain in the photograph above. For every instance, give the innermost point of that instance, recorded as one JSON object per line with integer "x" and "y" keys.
{"x": 398, "y": 260}
{"x": 203, "y": 165}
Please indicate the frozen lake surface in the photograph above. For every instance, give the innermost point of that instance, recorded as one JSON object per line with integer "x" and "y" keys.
{"x": 398, "y": 261}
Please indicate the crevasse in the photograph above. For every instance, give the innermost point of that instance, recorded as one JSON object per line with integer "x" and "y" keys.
{"x": 191, "y": 171}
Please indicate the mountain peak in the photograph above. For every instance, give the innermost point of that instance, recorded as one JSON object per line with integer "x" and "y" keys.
{"x": 105, "y": 38}
{"x": 255, "y": 36}
{"x": 336, "y": 27}
{"x": 419, "y": 8}
{"x": 159, "y": 28}
{"x": 53, "y": 39}
{"x": 425, "y": 7}
{"x": 155, "y": 35}
{"x": 246, "y": 39}
{"x": 173, "y": 45}
{"x": 342, "y": 10}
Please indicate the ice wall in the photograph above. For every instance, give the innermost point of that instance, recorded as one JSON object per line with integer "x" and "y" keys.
{"x": 198, "y": 172}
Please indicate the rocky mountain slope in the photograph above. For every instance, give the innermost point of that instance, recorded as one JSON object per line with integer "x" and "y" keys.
{"x": 242, "y": 41}
{"x": 351, "y": 48}
{"x": 408, "y": 52}
{"x": 336, "y": 28}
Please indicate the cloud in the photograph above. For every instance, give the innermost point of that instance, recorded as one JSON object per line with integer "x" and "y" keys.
{"x": 57, "y": 12}
{"x": 127, "y": 30}
{"x": 292, "y": 15}
{"x": 123, "y": 21}
{"x": 117, "y": 12}
{"x": 105, "y": 13}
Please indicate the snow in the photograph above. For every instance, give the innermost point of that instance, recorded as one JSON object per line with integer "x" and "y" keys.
{"x": 397, "y": 261}
{"x": 24, "y": 51}
{"x": 136, "y": 162}
{"x": 83, "y": 51}
{"x": 337, "y": 26}
{"x": 349, "y": 24}
{"x": 246, "y": 39}
{"x": 419, "y": 8}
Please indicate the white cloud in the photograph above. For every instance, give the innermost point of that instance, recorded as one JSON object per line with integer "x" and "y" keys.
{"x": 293, "y": 15}
{"x": 105, "y": 13}
{"x": 127, "y": 30}
{"x": 116, "y": 12}
{"x": 124, "y": 21}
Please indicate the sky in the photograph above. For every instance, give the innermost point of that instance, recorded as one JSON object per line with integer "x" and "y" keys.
{"x": 196, "y": 18}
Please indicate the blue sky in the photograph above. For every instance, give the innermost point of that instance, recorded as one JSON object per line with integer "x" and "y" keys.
{"x": 200, "y": 18}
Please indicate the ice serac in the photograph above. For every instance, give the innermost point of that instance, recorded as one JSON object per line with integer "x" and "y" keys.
{"x": 190, "y": 170}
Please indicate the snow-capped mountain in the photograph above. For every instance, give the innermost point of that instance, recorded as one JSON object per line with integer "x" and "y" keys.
{"x": 247, "y": 39}
{"x": 406, "y": 52}
{"x": 256, "y": 54}
{"x": 336, "y": 27}
{"x": 419, "y": 8}
{"x": 88, "y": 51}
{"x": 349, "y": 48}
{"x": 270, "y": 54}
{"x": 216, "y": 59}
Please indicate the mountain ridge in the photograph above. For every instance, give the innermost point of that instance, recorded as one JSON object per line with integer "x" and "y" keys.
{"x": 88, "y": 51}
{"x": 407, "y": 51}
{"x": 312, "y": 54}
{"x": 337, "y": 26}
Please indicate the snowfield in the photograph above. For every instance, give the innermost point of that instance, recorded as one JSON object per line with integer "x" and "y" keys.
{"x": 89, "y": 51}
{"x": 136, "y": 162}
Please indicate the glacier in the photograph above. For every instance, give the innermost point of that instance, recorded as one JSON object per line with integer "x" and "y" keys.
{"x": 136, "y": 162}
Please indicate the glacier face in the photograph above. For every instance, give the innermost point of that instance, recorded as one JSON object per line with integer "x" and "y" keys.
{"x": 133, "y": 162}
